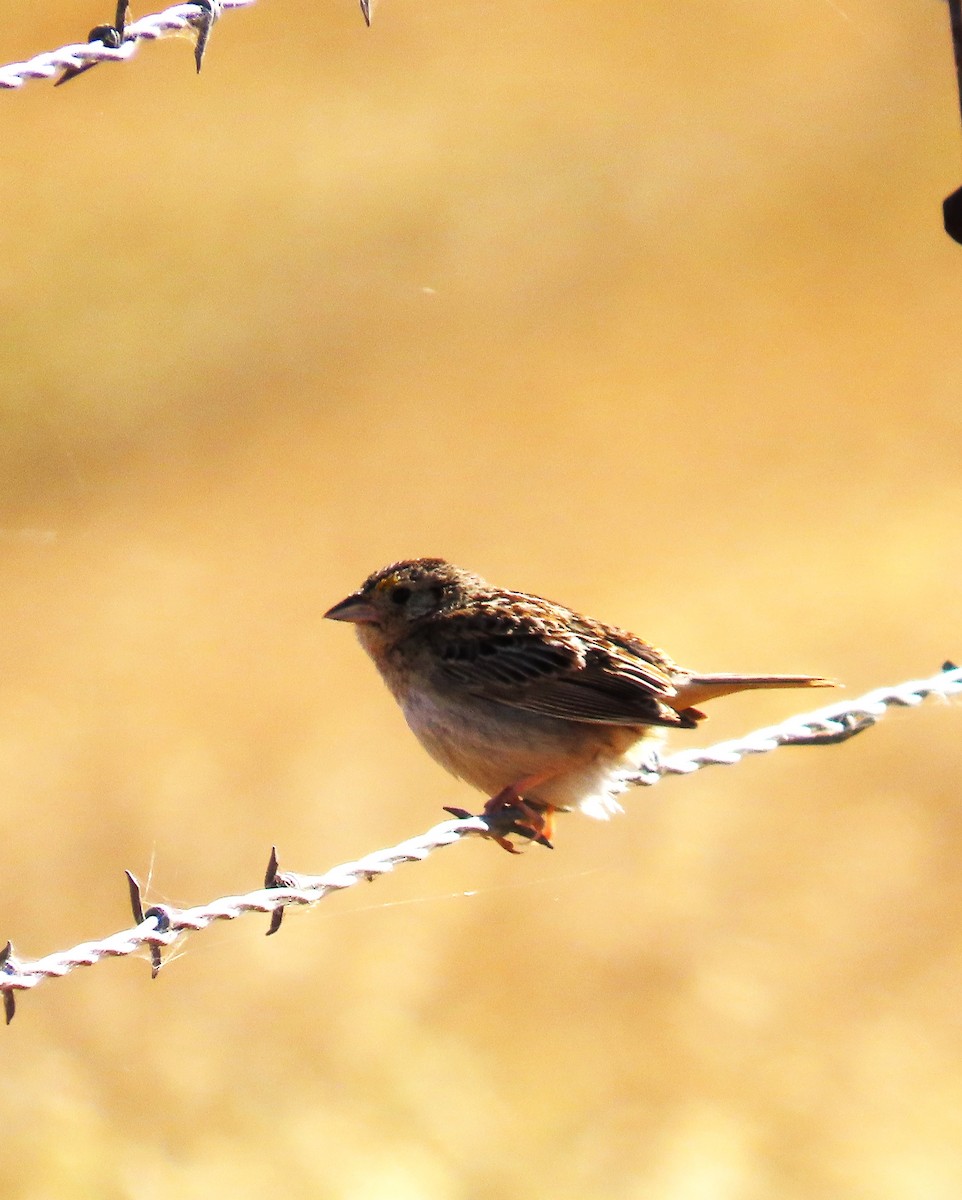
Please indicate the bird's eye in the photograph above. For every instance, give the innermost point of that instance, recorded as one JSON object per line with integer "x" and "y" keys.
{"x": 400, "y": 595}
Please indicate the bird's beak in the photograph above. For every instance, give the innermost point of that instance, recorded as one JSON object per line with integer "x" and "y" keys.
{"x": 354, "y": 609}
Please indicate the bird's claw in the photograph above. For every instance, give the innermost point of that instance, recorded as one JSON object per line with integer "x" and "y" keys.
{"x": 510, "y": 817}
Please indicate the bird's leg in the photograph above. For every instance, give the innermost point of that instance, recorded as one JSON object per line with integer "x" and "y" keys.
{"x": 508, "y": 812}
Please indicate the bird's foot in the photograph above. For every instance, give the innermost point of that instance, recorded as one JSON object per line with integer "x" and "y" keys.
{"x": 508, "y": 815}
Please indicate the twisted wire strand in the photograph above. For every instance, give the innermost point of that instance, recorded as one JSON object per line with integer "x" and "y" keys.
{"x": 833, "y": 723}
{"x": 164, "y": 924}
{"x": 148, "y": 29}
{"x": 172, "y": 20}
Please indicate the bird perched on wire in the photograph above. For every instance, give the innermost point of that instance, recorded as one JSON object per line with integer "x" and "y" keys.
{"x": 539, "y": 707}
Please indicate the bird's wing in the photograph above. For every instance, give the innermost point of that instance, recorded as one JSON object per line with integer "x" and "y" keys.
{"x": 554, "y": 668}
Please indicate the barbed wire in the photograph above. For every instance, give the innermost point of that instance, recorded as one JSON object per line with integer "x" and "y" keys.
{"x": 823, "y": 727}
{"x": 161, "y": 925}
{"x": 109, "y": 43}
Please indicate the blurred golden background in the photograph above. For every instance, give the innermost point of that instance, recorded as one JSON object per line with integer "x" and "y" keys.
{"x": 646, "y": 308}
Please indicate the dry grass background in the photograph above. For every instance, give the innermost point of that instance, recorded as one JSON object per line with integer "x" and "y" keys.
{"x": 647, "y": 308}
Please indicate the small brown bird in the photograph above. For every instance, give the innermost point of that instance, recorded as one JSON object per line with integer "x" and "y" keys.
{"x": 537, "y": 706}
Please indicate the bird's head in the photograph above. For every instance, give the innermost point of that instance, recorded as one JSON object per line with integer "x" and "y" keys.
{"x": 393, "y": 599}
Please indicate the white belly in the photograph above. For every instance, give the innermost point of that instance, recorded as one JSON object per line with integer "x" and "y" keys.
{"x": 492, "y": 747}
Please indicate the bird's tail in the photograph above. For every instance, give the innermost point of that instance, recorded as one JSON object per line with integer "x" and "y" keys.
{"x": 696, "y": 689}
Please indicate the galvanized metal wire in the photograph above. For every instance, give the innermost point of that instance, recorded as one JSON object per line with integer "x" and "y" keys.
{"x": 161, "y": 925}
{"x": 79, "y": 55}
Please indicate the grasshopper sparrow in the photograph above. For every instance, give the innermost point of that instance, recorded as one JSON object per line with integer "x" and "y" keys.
{"x": 537, "y": 706}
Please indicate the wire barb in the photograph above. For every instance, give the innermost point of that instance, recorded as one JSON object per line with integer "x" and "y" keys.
{"x": 952, "y": 204}
{"x": 9, "y": 997}
{"x": 162, "y": 925}
{"x": 111, "y": 36}
{"x": 156, "y": 962}
{"x": 210, "y": 11}
{"x": 273, "y": 878}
